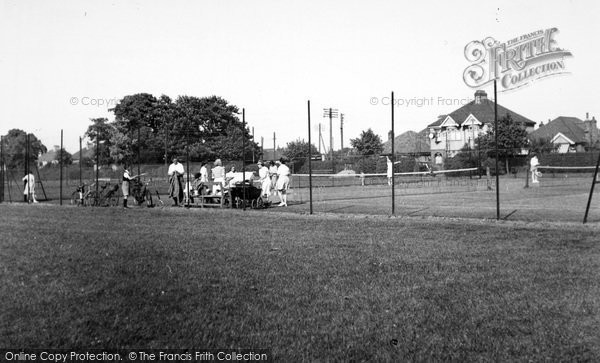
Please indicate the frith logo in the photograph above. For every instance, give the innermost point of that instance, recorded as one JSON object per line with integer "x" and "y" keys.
{"x": 516, "y": 62}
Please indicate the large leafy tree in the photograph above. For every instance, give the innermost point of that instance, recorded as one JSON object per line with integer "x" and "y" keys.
{"x": 108, "y": 138}
{"x": 136, "y": 118}
{"x": 67, "y": 157}
{"x": 368, "y": 143}
{"x": 297, "y": 152}
{"x": 299, "y": 149}
{"x": 212, "y": 129}
{"x": 512, "y": 138}
{"x": 15, "y": 148}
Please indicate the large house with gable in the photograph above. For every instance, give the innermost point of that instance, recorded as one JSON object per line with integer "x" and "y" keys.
{"x": 569, "y": 134}
{"x": 451, "y": 132}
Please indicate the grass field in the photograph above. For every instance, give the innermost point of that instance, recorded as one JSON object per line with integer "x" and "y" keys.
{"x": 310, "y": 288}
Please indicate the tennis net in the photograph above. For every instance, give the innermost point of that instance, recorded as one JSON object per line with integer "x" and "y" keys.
{"x": 412, "y": 179}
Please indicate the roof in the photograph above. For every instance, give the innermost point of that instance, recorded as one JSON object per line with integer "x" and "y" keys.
{"x": 48, "y": 157}
{"x": 409, "y": 142}
{"x": 571, "y": 127}
{"x": 484, "y": 112}
{"x": 87, "y": 153}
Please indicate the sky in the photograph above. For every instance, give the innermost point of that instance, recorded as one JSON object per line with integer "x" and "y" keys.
{"x": 65, "y": 62}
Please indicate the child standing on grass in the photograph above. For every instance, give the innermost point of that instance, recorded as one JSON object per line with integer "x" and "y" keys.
{"x": 125, "y": 186}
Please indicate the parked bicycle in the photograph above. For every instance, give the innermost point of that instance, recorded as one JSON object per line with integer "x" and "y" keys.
{"x": 107, "y": 196}
{"x": 141, "y": 193}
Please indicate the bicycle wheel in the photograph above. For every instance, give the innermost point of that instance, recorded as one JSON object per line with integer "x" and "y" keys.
{"x": 260, "y": 203}
{"x": 75, "y": 200}
{"x": 148, "y": 198}
{"x": 113, "y": 201}
{"x": 91, "y": 199}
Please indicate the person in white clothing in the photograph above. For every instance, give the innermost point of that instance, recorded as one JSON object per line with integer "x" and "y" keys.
{"x": 203, "y": 173}
{"x": 218, "y": 174}
{"x": 176, "y": 172}
{"x": 265, "y": 180}
{"x": 390, "y": 169}
{"x": 534, "y": 163}
{"x": 273, "y": 175}
{"x": 29, "y": 191}
{"x": 283, "y": 181}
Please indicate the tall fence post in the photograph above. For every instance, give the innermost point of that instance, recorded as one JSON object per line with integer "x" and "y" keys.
{"x": 60, "y": 163}
{"x": 393, "y": 159}
{"x": 594, "y": 181}
{"x": 496, "y": 143}
{"x": 310, "y": 196}
{"x": 1, "y": 169}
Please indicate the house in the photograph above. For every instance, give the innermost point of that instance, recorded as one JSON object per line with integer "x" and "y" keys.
{"x": 569, "y": 134}
{"x": 410, "y": 143}
{"x": 451, "y": 132}
{"x": 49, "y": 158}
{"x": 88, "y": 153}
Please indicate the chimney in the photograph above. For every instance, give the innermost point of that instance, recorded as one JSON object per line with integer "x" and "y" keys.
{"x": 480, "y": 95}
{"x": 590, "y": 128}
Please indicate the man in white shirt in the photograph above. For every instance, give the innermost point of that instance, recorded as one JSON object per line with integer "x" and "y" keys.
{"x": 175, "y": 176}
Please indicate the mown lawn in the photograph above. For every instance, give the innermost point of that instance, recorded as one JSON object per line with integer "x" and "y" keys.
{"x": 307, "y": 287}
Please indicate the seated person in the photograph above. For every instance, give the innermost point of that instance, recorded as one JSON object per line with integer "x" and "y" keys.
{"x": 232, "y": 177}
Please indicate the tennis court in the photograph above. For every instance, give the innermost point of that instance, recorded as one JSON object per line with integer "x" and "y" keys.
{"x": 559, "y": 197}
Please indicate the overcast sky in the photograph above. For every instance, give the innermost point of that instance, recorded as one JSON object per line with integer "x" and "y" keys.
{"x": 59, "y": 59}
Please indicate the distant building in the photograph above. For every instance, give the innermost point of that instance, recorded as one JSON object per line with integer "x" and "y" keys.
{"x": 569, "y": 134}
{"x": 451, "y": 132}
{"x": 49, "y": 158}
{"x": 272, "y": 154}
{"x": 410, "y": 143}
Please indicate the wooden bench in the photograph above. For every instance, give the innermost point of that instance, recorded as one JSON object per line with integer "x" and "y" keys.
{"x": 210, "y": 199}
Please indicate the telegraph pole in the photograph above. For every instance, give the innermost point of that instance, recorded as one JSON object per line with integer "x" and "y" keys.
{"x": 61, "y": 167}
{"x": 331, "y": 113}
{"x": 342, "y": 132}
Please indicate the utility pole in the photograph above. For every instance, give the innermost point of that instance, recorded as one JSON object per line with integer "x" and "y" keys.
{"x": 342, "y": 132}
{"x": 253, "y": 161}
{"x": 331, "y": 113}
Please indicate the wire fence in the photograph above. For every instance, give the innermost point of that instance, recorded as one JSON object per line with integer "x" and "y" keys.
{"x": 361, "y": 186}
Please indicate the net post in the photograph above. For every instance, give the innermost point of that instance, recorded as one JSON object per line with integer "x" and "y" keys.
{"x": 243, "y": 158}
{"x": 61, "y": 167}
{"x": 594, "y": 181}
{"x": 1, "y": 168}
{"x": 496, "y": 147}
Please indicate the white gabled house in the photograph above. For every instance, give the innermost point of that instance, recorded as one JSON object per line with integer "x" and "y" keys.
{"x": 451, "y": 132}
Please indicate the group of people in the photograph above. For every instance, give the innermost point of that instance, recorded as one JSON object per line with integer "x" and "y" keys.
{"x": 273, "y": 178}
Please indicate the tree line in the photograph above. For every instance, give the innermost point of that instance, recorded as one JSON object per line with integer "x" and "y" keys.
{"x": 156, "y": 129}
